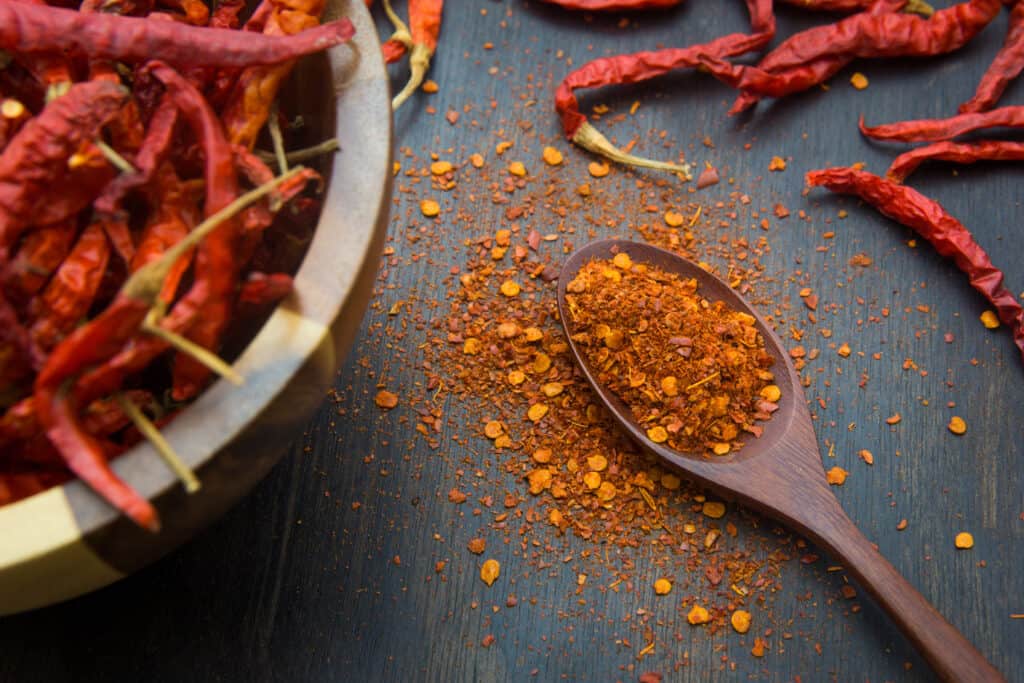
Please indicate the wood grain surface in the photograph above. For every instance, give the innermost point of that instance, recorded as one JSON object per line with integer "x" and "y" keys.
{"x": 296, "y": 585}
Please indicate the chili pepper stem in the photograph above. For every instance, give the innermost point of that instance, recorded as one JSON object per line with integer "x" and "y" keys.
{"x": 419, "y": 62}
{"x": 274, "y": 125}
{"x": 211, "y": 360}
{"x": 304, "y": 154}
{"x": 919, "y": 7}
{"x": 592, "y": 140}
{"x": 115, "y": 159}
{"x": 401, "y": 33}
{"x": 163, "y": 448}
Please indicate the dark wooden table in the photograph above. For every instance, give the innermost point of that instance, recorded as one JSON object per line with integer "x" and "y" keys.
{"x": 296, "y": 585}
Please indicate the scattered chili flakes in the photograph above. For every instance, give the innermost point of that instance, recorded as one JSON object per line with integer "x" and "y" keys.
{"x": 552, "y": 157}
{"x": 698, "y": 615}
{"x": 844, "y": 350}
{"x": 964, "y": 541}
{"x": 430, "y": 86}
{"x": 957, "y": 425}
{"x": 901, "y": 525}
{"x": 385, "y": 399}
{"x": 859, "y": 81}
{"x": 893, "y": 419}
{"x": 489, "y": 571}
{"x": 777, "y": 164}
{"x": 836, "y": 476}
{"x": 476, "y": 160}
{"x": 441, "y": 167}
{"x": 598, "y": 169}
{"x": 430, "y": 208}
{"x": 740, "y": 621}
{"x": 865, "y": 455}
{"x": 759, "y": 647}
{"x": 477, "y": 546}
{"x": 517, "y": 169}
{"x": 989, "y": 320}
{"x": 662, "y": 587}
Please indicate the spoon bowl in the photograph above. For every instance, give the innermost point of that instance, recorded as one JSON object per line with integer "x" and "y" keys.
{"x": 780, "y": 473}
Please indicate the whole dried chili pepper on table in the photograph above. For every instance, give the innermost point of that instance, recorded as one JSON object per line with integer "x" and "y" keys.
{"x": 958, "y": 152}
{"x": 934, "y": 130}
{"x": 809, "y": 57}
{"x": 916, "y": 6}
{"x": 614, "y": 5}
{"x": 31, "y": 29}
{"x": 421, "y": 41}
{"x": 642, "y": 66}
{"x": 927, "y": 218}
{"x": 1006, "y": 66}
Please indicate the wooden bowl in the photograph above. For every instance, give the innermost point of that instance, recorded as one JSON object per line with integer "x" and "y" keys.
{"x": 67, "y": 541}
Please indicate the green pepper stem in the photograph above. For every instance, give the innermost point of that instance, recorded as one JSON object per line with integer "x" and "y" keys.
{"x": 215, "y": 363}
{"x": 401, "y": 33}
{"x": 419, "y": 62}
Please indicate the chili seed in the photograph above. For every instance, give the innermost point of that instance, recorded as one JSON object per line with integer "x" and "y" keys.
{"x": 597, "y": 462}
{"x": 385, "y": 399}
{"x": 989, "y": 320}
{"x": 430, "y": 86}
{"x": 622, "y": 260}
{"x": 516, "y": 377}
{"x": 440, "y": 167}
{"x": 964, "y": 540}
{"x": 771, "y": 393}
{"x": 430, "y": 208}
{"x": 489, "y": 571}
{"x": 721, "y": 448}
{"x": 836, "y": 476}
{"x": 714, "y": 510}
{"x": 597, "y": 169}
{"x": 662, "y": 587}
{"x": 698, "y": 615}
{"x": 592, "y": 480}
{"x": 517, "y": 169}
{"x": 859, "y": 81}
{"x": 777, "y": 164}
{"x": 493, "y": 429}
{"x": 673, "y": 219}
{"x": 542, "y": 455}
{"x": 657, "y": 434}
{"x": 957, "y": 425}
{"x": 477, "y": 160}
{"x": 510, "y": 288}
{"x": 537, "y": 412}
{"x": 740, "y": 621}
{"x": 671, "y": 482}
{"x": 552, "y": 157}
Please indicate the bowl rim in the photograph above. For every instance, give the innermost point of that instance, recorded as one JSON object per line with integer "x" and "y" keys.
{"x": 46, "y": 548}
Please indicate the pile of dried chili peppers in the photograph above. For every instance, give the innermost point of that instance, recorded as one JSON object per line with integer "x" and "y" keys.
{"x": 134, "y": 217}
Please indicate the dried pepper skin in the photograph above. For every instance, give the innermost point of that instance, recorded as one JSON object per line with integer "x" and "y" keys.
{"x": 852, "y": 5}
{"x": 39, "y": 153}
{"x": 810, "y": 57}
{"x": 15, "y": 356}
{"x": 614, "y": 5}
{"x": 28, "y": 29}
{"x": 928, "y": 219}
{"x": 40, "y": 253}
{"x": 1006, "y": 66}
{"x": 957, "y": 152}
{"x": 935, "y": 130}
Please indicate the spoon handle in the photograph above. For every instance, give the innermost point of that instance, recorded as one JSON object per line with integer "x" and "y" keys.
{"x": 951, "y": 655}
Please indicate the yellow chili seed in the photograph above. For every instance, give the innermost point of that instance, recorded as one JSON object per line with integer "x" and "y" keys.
{"x": 552, "y": 389}
{"x": 477, "y": 160}
{"x": 493, "y": 429}
{"x": 542, "y": 455}
{"x": 859, "y": 81}
{"x": 517, "y": 169}
{"x": 440, "y": 167}
{"x": 539, "y": 480}
{"x": 740, "y": 621}
{"x": 671, "y": 482}
{"x": 964, "y": 540}
{"x": 614, "y": 339}
{"x": 721, "y": 448}
{"x": 533, "y": 334}
{"x": 771, "y": 393}
{"x": 430, "y": 86}
{"x": 957, "y": 425}
{"x": 592, "y": 480}
{"x": 552, "y": 157}
{"x": 713, "y": 509}
{"x": 537, "y": 412}
{"x": 698, "y": 615}
{"x": 989, "y": 320}
{"x": 541, "y": 363}
{"x": 673, "y": 219}
{"x": 510, "y": 288}
{"x": 670, "y": 386}
{"x": 598, "y": 169}
{"x": 385, "y": 399}
{"x": 657, "y": 434}
{"x": 502, "y": 147}
{"x": 606, "y": 491}
{"x": 472, "y": 346}
{"x": 662, "y": 587}
{"x": 430, "y": 208}
{"x": 516, "y": 377}
{"x": 395, "y": 168}
{"x": 11, "y": 108}
{"x": 622, "y": 260}
{"x": 489, "y": 571}
{"x": 836, "y": 476}
{"x": 597, "y": 462}
{"x": 777, "y": 164}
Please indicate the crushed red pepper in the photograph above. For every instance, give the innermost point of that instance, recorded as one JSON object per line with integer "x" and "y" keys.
{"x": 692, "y": 371}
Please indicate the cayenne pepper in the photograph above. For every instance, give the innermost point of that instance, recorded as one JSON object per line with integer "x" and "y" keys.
{"x": 642, "y": 66}
{"x": 1005, "y": 67}
{"x": 916, "y": 6}
{"x": 614, "y": 5}
{"x": 934, "y": 130}
{"x": 927, "y": 218}
{"x": 27, "y": 28}
{"x": 693, "y": 372}
{"x": 958, "y": 152}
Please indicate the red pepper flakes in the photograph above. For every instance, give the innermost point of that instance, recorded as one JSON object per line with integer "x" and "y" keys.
{"x": 385, "y": 399}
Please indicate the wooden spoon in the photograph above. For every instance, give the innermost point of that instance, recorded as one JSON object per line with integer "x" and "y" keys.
{"x": 780, "y": 474}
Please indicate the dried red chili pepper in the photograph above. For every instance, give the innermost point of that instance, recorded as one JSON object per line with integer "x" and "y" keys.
{"x": 934, "y": 130}
{"x": 15, "y": 356}
{"x": 393, "y": 50}
{"x": 424, "y": 30}
{"x": 260, "y": 289}
{"x": 39, "y": 153}
{"x": 642, "y": 66}
{"x": 167, "y": 225}
{"x": 958, "y": 152}
{"x": 1006, "y": 66}
{"x": 71, "y": 290}
{"x": 40, "y": 253}
{"x": 807, "y": 58}
{"x": 927, "y": 218}
{"x": 30, "y": 29}
{"x": 256, "y": 88}
{"x": 917, "y": 6}
{"x": 614, "y": 5}
{"x": 194, "y": 12}
{"x": 225, "y": 14}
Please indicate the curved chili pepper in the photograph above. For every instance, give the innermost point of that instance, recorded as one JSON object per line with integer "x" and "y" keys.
{"x": 957, "y": 152}
{"x": 70, "y": 292}
{"x": 928, "y": 219}
{"x": 216, "y": 265}
{"x": 39, "y": 153}
{"x": 1006, "y": 66}
{"x": 642, "y": 66}
{"x": 809, "y": 57}
{"x": 29, "y": 28}
{"x": 424, "y": 30}
{"x": 40, "y": 253}
{"x": 260, "y": 289}
{"x": 167, "y": 226}
{"x": 934, "y": 130}
{"x": 614, "y": 5}
{"x": 916, "y": 6}
{"x": 256, "y": 88}
{"x": 15, "y": 356}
